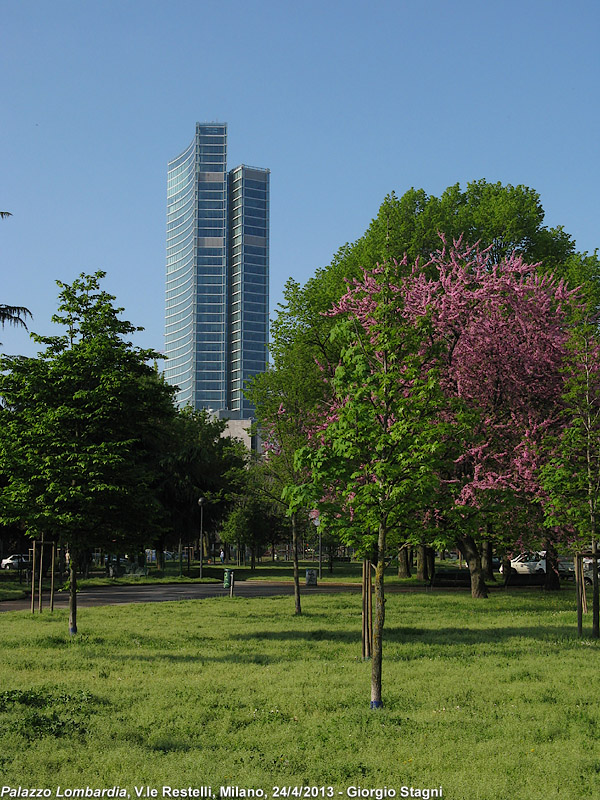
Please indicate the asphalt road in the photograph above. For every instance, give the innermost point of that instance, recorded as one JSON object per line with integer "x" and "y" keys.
{"x": 163, "y": 592}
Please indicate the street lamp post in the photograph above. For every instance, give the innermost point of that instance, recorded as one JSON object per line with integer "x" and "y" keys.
{"x": 201, "y": 501}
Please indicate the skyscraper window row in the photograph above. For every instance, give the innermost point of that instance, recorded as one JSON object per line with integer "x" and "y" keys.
{"x": 254, "y": 308}
{"x": 251, "y": 184}
{"x": 178, "y": 316}
{"x": 255, "y": 336}
{"x": 210, "y": 148}
{"x": 254, "y": 216}
{"x": 217, "y": 252}
{"x": 178, "y": 205}
{"x": 258, "y": 326}
{"x": 179, "y": 252}
{"x": 252, "y": 202}
{"x": 181, "y": 276}
{"x": 181, "y": 293}
{"x": 176, "y": 303}
{"x": 209, "y": 194}
{"x": 202, "y": 205}
{"x": 252, "y": 231}
{"x": 174, "y": 363}
{"x": 176, "y": 184}
{"x": 253, "y": 317}
{"x": 255, "y": 279}
{"x": 177, "y": 238}
{"x": 181, "y": 223}
{"x": 211, "y": 186}
{"x": 257, "y": 194}
{"x": 182, "y": 220}
{"x": 175, "y": 260}
{"x": 214, "y": 213}
{"x": 179, "y": 173}
{"x": 213, "y": 138}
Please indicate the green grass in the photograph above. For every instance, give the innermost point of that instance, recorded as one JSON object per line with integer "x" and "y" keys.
{"x": 491, "y": 699}
{"x": 10, "y": 588}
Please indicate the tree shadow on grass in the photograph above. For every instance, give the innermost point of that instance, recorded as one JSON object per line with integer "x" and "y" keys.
{"x": 406, "y": 634}
{"x": 443, "y": 640}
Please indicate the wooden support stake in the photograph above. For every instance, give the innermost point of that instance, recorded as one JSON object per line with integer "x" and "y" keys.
{"x": 41, "y": 575}
{"x": 33, "y": 579}
{"x": 52, "y": 577}
{"x": 364, "y": 613}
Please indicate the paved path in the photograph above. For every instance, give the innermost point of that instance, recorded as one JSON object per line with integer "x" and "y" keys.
{"x": 163, "y": 592}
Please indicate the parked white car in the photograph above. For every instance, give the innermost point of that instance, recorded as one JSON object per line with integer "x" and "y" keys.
{"x": 15, "y": 561}
{"x": 528, "y": 563}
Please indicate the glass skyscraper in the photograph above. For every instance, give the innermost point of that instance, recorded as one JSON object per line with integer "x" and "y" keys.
{"x": 217, "y": 289}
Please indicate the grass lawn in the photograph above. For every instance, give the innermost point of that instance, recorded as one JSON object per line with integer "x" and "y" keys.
{"x": 489, "y": 699}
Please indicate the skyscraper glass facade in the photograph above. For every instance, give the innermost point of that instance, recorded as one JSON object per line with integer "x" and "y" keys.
{"x": 248, "y": 279}
{"x": 217, "y": 274}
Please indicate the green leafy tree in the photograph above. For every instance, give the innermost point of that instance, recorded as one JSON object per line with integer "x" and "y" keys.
{"x": 570, "y": 476}
{"x": 198, "y": 461}
{"x": 251, "y": 524}
{"x": 82, "y": 428}
{"x": 285, "y": 397}
{"x": 374, "y": 450}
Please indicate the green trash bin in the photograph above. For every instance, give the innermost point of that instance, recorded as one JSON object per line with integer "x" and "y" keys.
{"x": 227, "y": 576}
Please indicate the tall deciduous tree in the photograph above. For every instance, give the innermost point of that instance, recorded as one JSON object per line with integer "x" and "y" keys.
{"x": 503, "y": 328}
{"x": 82, "y": 427}
{"x": 571, "y": 473}
{"x": 374, "y": 449}
{"x": 198, "y": 461}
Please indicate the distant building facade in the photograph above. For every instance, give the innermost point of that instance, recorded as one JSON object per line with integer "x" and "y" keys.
{"x": 217, "y": 286}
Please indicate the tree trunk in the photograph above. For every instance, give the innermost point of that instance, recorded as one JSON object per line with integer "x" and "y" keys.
{"x": 376, "y": 701}
{"x": 552, "y": 578}
{"x": 296, "y": 569}
{"x": 486, "y": 561}
{"x": 72, "y": 596}
{"x": 403, "y": 563}
{"x": 430, "y": 561}
{"x": 252, "y": 558}
{"x": 595, "y": 592}
{"x": 422, "y": 571}
{"x": 471, "y": 554}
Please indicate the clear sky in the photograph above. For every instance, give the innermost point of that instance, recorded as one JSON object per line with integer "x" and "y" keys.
{"x": 344, "y": 101}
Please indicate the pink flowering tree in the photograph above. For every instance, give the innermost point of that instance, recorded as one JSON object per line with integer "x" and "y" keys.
{"x": 504, "y": 329}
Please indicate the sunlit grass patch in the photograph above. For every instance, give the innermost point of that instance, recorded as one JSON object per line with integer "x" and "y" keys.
{"x": 242, "y": 691}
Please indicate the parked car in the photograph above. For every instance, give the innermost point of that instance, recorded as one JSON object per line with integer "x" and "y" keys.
{"x": 528, "y": 563}
{"x": 566, "y": 568}
{"x": 16, "y": 561}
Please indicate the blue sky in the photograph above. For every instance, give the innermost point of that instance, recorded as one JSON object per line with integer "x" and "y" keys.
{"x": 343, "y": 101}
